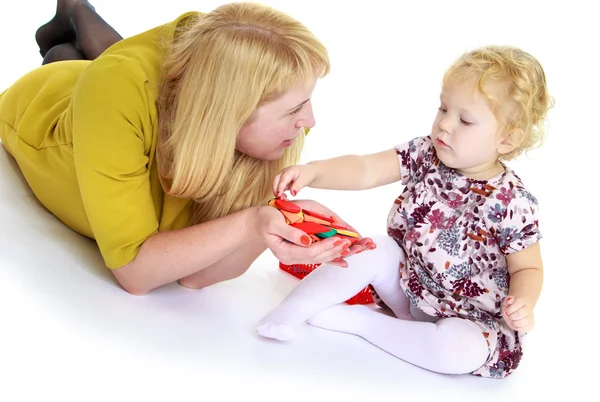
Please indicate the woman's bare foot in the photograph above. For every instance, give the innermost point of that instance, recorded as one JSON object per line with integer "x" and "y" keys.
{"x": 59, "y": 29}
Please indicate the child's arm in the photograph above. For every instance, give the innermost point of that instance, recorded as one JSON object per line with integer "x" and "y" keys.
{"x": 526, "y": 278}
{"x": 350, "y": 172}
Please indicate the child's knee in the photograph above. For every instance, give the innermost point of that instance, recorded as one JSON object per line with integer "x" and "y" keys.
{"x": 461, "y": 344}
{"x": 387, "y": 245}
{"x": 388, "y": 252}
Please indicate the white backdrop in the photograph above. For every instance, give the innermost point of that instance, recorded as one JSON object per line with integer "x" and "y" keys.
{"x": 66, "y": 329}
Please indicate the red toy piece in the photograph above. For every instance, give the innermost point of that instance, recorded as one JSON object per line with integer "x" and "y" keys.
{"x": 339, "y": 226}
{"x": 311, "y": 227}
{"x": 287, "y": 206}
{"x": 301, "y": 270}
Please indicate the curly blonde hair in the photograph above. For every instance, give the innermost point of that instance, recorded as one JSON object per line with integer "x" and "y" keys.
{"x": 514, "y": 83}
{"x": 222, "y": 66}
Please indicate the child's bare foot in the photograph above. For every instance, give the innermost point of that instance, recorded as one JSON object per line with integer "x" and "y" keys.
{"x": 59, "y": 29}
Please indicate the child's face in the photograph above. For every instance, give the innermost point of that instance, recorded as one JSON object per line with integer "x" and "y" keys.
{"x": 465, "y": 132}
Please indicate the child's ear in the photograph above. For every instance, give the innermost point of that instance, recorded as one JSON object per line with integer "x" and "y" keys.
{"x": 511, "y": 141}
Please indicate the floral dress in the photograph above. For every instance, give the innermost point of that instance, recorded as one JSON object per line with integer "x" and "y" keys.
{"x": 456, "y": 233}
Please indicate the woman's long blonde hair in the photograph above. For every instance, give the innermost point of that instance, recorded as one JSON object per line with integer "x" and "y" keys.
{"x": 220, "y": 68}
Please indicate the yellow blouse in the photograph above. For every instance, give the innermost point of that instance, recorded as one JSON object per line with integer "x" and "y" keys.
{"x": 84, "y": 135}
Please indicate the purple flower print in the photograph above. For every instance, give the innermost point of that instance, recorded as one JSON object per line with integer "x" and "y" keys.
{"x": 412, "y": 236}
{"x": 395, "y": 233}
{"x": 436, "y": 219}
{"x": 505, "y": 195}
{"x": 455, "y": 200}
{"x": 467, "y": 288}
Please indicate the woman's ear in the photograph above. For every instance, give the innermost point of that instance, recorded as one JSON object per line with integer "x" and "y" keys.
{"x": 511, "y": 141}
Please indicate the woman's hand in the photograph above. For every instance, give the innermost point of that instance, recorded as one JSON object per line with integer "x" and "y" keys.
{"x": 299, "y": 248}
{"x": 364, "y": 243}
{"x": 291, "y": 245}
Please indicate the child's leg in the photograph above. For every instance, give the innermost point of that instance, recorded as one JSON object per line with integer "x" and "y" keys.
{"x": 329, "y": 285}
{"x": 449, "y": 346}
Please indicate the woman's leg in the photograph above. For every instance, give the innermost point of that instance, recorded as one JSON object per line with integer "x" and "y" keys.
{"x": 64, "y": 51}
{"x": 448, "y": 346}
{"x": 77, "y": 23}
{"x": 329, "y": 285}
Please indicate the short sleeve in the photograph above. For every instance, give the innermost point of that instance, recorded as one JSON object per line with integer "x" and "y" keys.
{"x": 516, "y": 211}
{"x": 111, "y": 141}
{"x": 415, "y": 158}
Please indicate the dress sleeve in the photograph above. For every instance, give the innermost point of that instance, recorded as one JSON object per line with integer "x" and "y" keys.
{"x": 111, "y": 144}
{"x": 415, "y": 158}
{"x": 516, "y": 210}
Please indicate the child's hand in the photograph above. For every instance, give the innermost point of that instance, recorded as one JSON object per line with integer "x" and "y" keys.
{"x": 518, "y": 313}
{"x": 293, "y": 178}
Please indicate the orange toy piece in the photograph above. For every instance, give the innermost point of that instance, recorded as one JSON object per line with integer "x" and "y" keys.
{"x": 308, "y": 218}
{"x": 318, "y": 216}
{"x": 292, "y": 218}
{"x": 315, "y": 224}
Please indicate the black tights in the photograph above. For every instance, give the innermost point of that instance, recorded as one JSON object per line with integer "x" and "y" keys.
{"x": 76, "y": 32}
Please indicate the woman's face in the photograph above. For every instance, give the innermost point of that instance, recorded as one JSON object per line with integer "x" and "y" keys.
{"x": 274, "y": 126}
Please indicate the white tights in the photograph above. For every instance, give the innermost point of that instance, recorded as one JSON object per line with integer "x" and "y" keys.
{"x": 448, "y": 345}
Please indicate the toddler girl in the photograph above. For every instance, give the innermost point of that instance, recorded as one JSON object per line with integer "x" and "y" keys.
{"x": 461, "y": 268}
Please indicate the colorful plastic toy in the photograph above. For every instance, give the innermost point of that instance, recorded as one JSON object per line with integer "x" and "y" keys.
{"x": 318, "y": 227}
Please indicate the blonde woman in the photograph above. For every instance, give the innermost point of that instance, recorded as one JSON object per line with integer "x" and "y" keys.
{"x": 162, "y": 147}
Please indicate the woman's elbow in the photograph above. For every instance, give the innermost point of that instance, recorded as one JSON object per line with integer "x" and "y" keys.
{"x": 130, "y": 281}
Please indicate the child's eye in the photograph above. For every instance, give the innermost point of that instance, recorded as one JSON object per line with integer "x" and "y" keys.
{"x": 442, "y": 109}
{"x": 466, "y": 123}
{"x": 298, "y": 110}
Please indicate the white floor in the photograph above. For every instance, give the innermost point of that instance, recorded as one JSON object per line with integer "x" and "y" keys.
{"x": 68, "y": 330}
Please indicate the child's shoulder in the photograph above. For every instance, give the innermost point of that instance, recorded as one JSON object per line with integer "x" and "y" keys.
{"x": 417, "y": 149}
{"x": 417, "y": 145}
{"x": 513, "y": 211}
{"x": 510, "y": 204}
{"x": 510, "y": 188}
{"x": 416, "y": 157}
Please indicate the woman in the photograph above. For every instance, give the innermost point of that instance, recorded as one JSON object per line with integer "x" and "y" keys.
{"x": 162, "y": 147}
